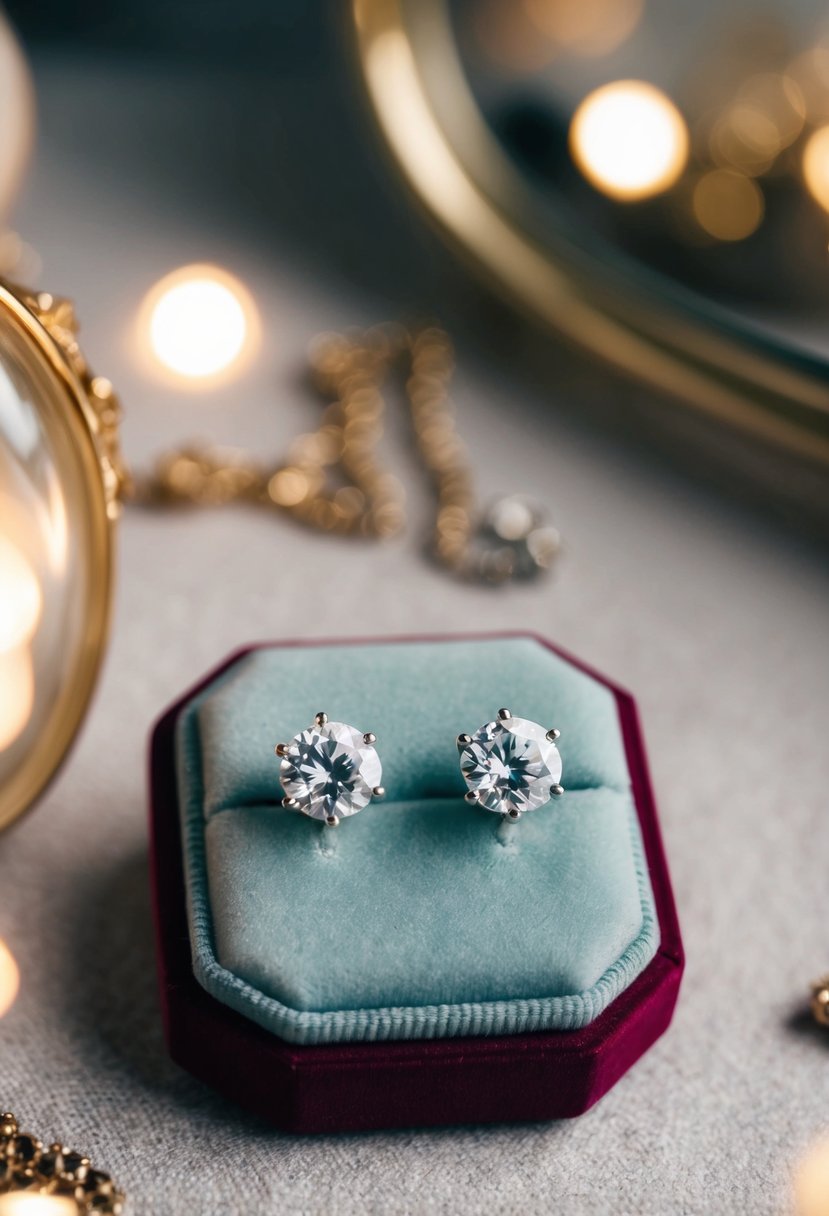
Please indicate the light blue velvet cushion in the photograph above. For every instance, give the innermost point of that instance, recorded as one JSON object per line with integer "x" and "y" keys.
{"x": 425, "y": 920}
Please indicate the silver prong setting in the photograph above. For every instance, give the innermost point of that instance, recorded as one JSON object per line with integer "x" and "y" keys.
{"x": 511, "y": 765}
{"x": 329, "y": 771}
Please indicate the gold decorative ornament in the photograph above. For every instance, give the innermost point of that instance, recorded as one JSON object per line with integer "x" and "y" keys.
{"x": 27, "y": 1166}
{"x": 61, "y": 480}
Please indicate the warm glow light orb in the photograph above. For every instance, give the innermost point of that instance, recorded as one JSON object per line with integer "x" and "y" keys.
{"x": 811, "y": 1181}
{"x": 583, "y": 27}
{"x": 20, "y": 597}
{"x": 728, "y": 206}
{"x": 29, "y": 1203}
{"x": 17, "y": 693}
{"x": 816, "y": 166}
{"x": 199, "y": 323}
{"x": 9, "y": 979}
{"x": 629, "y": 140}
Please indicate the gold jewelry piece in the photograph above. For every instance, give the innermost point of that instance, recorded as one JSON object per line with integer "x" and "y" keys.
{"x": 61, "y": 480}
{"x": 25, "y": 1165}
{"x": 332, "y": 481}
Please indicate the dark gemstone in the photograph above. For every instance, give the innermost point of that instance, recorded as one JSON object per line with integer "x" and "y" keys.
{"x": 25, "y": 1147}
{"x": 107, "y": 1205}
{"x": 72, "y": 1162}
{"x": 47, "y": 1166}
{"x": 63, "y": 1186}
{"x": 96, "y": 1180}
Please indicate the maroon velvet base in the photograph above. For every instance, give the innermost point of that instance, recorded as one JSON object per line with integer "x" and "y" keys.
{"x": 362, "y": 1086}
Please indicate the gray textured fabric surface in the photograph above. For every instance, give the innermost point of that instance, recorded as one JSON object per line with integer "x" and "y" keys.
{"x": 716, "y": 621}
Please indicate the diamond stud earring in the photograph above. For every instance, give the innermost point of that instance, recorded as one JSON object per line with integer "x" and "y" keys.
{"x": 329, "y": 771}
{"x": 511, "y": 765}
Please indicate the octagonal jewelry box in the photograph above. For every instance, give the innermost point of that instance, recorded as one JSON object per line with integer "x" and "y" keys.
{"x": 430, "y": 969}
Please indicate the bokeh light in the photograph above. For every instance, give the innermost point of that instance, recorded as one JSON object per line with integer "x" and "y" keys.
{"x": 17, "y": 693}
{"x": 584, "y": 27}
{"x": 525, "y": 35}
{"x": 199, "y": 324}
{"x": 816, "y": 166}
{"x": 9, "y": 978}
{"x": 810, "y": 74}
{"x": 728, "y": 205}
{"x": 629, "y": 140}
{"x": 20, "y": 597}
{"x": 811, "y": 1181}
{"x": 29, "y": 1203}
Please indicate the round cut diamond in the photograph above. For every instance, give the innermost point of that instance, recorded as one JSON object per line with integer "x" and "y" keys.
{"x": 511, "y": 765}
{"x": 330, "y": 770}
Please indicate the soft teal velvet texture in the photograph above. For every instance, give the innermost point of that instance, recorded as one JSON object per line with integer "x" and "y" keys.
{"x": 426, "y": 919}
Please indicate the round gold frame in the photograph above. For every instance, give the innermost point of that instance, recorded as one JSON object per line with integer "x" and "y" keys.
{"x": 90, "y": 414}
{"x": 701, "y": 357}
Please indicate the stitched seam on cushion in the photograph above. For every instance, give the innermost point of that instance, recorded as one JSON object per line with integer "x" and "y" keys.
{"x": 511, "y": 1016}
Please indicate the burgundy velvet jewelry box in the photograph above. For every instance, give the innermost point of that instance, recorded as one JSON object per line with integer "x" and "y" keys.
{"x": 335, "y": 1086}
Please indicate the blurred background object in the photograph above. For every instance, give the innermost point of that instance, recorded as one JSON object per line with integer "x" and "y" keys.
{"x": 700, "y": 272}
{"x": 16, "y": 118}
{"x": 9, "y": 978}
{"x": 659, "y": 201}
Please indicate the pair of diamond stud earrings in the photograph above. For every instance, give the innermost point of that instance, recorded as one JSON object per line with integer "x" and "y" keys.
{"x": 332, "y": 770}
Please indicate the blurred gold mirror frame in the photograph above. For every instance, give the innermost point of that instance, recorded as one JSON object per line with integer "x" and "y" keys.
{"x": 60, "y": 485}
{"x": 705, "y": 359}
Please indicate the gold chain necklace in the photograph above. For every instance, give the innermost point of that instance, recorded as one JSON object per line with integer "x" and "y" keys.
{"x": 332, "y": 481}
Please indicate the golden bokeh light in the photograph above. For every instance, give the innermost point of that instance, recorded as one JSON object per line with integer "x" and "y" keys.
{"x": 507, "y": 37}
{"x": 766, "y": 116}
{"x": 584, "y": 27}
{"x": 526, "y": 35}
{"x": 9, "y": 978}
{"x": 17, "y": 693}
{"x": 199, "y": 325}
{"x": 811, "y": 1181}
{"x": 816, "y": 166}
{"x": 629, "y": 140}
{"x": 781, "y": 99}
{"x": 21, "y": 601}
{"x": 745, "y": 138}
{"x": 30, "y": 1203}
{"x": 727, "y": 205}
{"x": 809, "y": 73}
